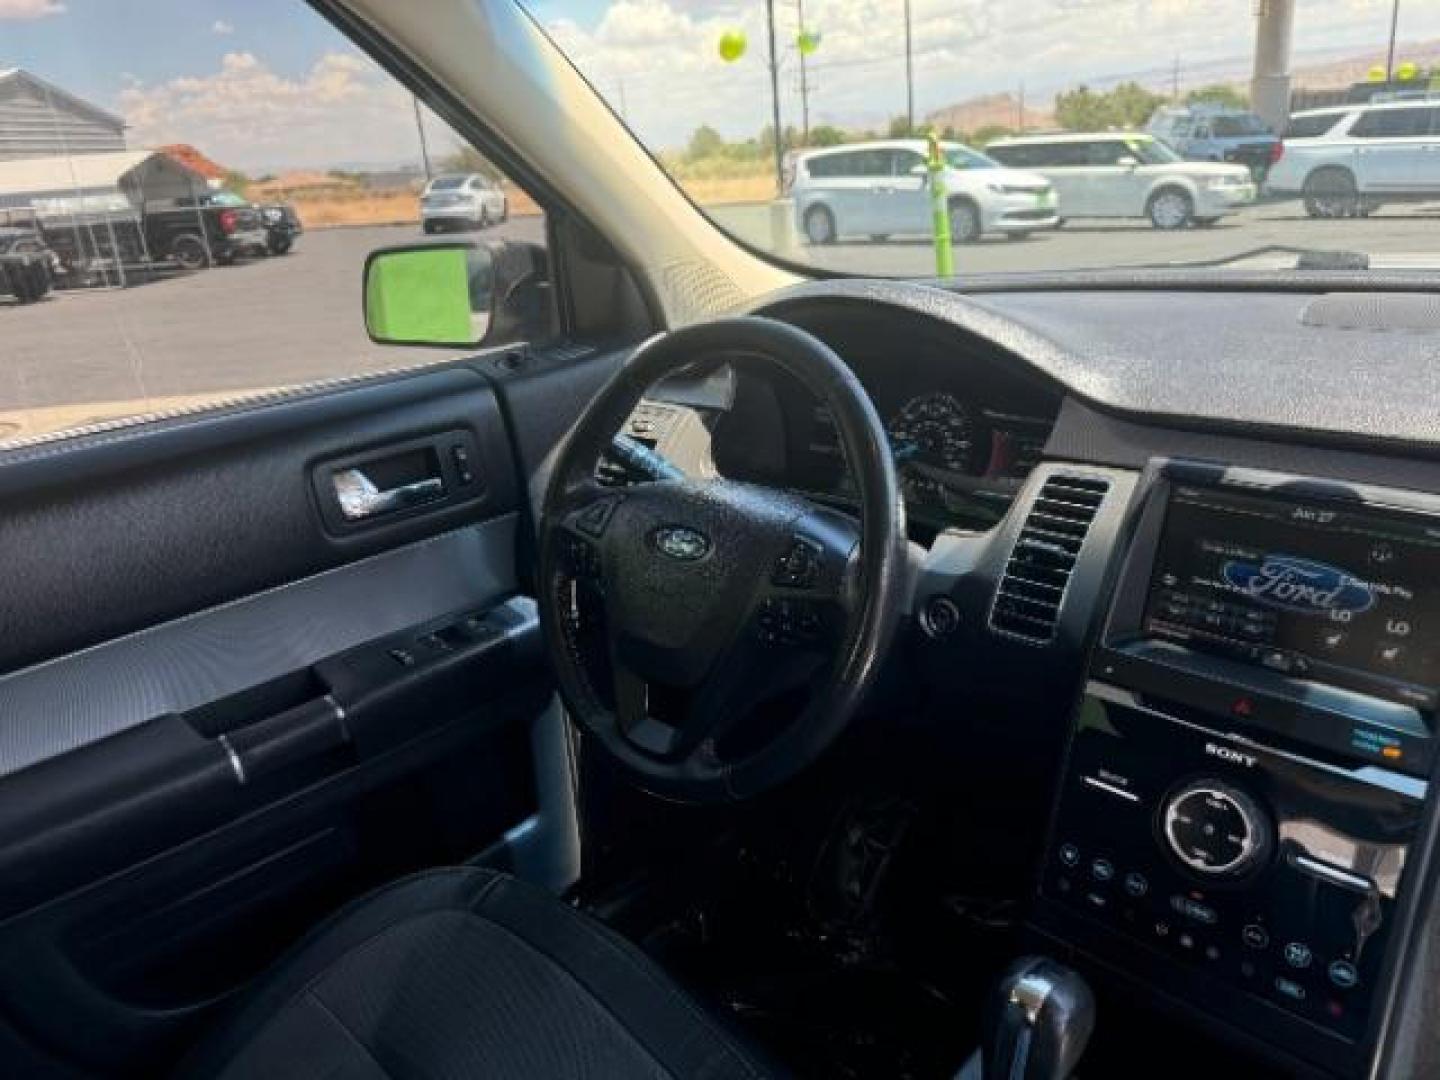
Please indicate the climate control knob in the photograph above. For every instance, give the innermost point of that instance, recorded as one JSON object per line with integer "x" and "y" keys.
{"x": 1215, "y": 829}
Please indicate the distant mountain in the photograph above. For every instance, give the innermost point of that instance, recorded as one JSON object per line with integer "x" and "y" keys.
{"x": 1322, "y": 70}
{"x": 992, "y": 110}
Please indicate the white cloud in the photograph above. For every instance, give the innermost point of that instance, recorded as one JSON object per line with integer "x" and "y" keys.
{"x": 221, "y": 27}
{"x": 343, "y": 109}
{"x": 664, "y": 52}
{"x": 30, "y": 9}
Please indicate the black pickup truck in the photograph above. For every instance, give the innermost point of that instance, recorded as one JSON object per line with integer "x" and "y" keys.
{"x": 216, "y": 227}
{"x": 26, "y": 265}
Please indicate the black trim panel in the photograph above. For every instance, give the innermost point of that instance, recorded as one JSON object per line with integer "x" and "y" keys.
{"x": 108, "y": 534}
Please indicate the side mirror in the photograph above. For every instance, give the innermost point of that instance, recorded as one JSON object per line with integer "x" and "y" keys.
{"x": 1129, "y": 161}
{"x": 456, "y": 295}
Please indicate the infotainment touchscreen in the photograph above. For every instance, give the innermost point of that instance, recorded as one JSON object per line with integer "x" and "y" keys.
{"x": 1348, "y": 596}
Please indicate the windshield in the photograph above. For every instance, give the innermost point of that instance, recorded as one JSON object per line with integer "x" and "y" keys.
{"x": 1153, "y": 152}
{"x": 959, "y": 157}
{"x": 447, "y": 183}
{"x": 1227, "y": 127}
{"x": 226, "y": 198}
{"x": 729, "y": 95}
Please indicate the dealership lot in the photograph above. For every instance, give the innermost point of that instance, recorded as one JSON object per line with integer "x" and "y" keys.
{"x": 1399, "y": 230}
{"x": 278, "y": 322}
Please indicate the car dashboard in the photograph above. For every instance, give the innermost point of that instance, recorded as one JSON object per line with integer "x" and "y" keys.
{"x": 1205, "y": 569}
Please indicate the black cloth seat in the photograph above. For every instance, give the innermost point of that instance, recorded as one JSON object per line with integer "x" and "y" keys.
{"x": 468, "y": 973}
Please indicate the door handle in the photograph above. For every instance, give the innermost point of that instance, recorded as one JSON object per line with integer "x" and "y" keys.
{"x": 360, "y": 499}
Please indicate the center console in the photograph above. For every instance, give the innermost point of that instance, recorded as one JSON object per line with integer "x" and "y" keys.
{"x": 1249, "y": 761}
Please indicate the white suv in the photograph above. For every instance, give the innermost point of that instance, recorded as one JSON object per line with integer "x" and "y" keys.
{"x": 462, "y": 200}
{"x": 1128, "y": 175}
{"x": 881, "y": 189}
{"x": 1348, "y": 160}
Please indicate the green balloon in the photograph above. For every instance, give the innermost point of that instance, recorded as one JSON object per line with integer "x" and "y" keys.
{"x": 808, "y": 42}
{"x": 732, "y": 45}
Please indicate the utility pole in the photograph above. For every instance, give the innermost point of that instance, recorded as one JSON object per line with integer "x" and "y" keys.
{"x": 1020, "y": 108}
{"x": 775, "y": 99}
{"x": 909, "y": 75}
{"x": 804, "y": 83}
{"x": 1270, "y": 81}
{"x": 420, "y": 127}
{"x": 1390, "y": 52}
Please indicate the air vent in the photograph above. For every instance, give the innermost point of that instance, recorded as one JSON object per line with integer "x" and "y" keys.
{"x": 1027, "y": 602}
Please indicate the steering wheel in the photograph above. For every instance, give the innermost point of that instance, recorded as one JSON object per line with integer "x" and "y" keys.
{"x": 708, "y": 598}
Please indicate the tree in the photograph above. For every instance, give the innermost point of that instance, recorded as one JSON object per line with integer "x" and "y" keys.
{"x": 1081, "y": 109}
{"x": 1229, "y": 96}
{"x": 1131, "y": 104}
{"x": 826, "y": 135}
{"x": 900, "y": 128}
{"x": 1127, "y": 106}
{"x": 705, "y": 143}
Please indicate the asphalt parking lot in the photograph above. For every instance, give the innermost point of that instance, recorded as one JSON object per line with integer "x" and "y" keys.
{"x": 277, "y": 322}
{"x": 263, "y": 323}
{"x": 1406, "y": 231}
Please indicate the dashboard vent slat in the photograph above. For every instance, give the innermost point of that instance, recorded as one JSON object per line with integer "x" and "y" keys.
{"x": 1032, "y": 588}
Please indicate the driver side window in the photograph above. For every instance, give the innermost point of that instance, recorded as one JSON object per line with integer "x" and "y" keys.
{"x": 212, "y": 188}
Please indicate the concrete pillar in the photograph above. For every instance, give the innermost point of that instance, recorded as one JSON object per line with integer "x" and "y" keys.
{"x": 1270, "y": 81}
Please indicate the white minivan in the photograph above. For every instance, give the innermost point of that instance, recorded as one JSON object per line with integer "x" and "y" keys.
{"x": 1348, "y": 160}
{"x": 881, "y": 189}
{"x": 1130, "y": 175}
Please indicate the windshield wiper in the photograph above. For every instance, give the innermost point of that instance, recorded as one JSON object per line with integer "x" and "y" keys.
{"x": 1320, "y": 260}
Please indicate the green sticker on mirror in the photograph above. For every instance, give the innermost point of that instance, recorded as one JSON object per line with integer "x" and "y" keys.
{"x": 420, "y": 296}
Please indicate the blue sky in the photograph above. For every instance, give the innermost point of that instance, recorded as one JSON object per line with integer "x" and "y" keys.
{"x": 155, "y": 40}
{"x": 268, "y": 84}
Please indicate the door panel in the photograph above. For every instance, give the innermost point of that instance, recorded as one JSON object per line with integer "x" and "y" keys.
{"x": 226, "y": 709}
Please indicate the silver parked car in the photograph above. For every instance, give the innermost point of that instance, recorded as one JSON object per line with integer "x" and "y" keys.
{"x": 1348, "y": 160}
{"x": 462, "y": 201}
{"x": 881, "y": 189}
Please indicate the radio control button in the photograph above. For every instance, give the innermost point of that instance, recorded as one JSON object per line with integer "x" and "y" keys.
{"x": 1069, "y": 854}
{"x": 1193, "y": 909}
{"x": 1289, "y": 988}
{"x": 1136, "y": 884}
{"x": 1343, "y": 974}
{"x": 1215, "y": 830}
{"x": 1102, "y": 869}
{"x": 1298, "y": 954}
{"x": 1255, "y": 936}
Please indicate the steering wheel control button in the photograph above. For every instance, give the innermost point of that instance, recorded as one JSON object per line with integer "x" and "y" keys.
{"x": 1135, "y": 884}
{"x": 1343, "y": 974}
{"x": 592, "y": 520}
{"x": 799, "y": 567}
{"x": 1102, "y": 869}
{"x": 1070, "y": 855}
{"x": 583, "y": 560}
{"x": 787, "y": 622}
{"x": 1255, "y": 936}
{"x": 1298, "y": 955}
{"x": 939, "y": 618}
{"x": 1215, "y": 830}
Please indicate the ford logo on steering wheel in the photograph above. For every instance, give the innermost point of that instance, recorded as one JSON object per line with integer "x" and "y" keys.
{"x": 681, "y": 542}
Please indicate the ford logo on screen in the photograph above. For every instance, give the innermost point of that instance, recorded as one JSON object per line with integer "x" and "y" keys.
{"x": 1295, "y": 584}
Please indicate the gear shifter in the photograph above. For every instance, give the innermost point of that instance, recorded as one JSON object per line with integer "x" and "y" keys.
{"x": 1038, "y": 1023}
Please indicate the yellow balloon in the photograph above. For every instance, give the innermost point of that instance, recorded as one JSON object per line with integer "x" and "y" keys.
{"x": 1377, "y": 74}
{"x": 732, "y": 45}
{"x": 1407, "y": 71}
